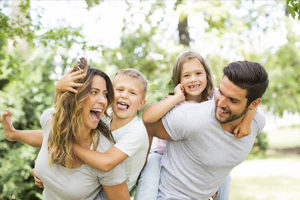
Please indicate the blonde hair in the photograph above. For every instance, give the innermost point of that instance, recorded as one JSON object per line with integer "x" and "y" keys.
{"x": 68, "y": 116}
{"x": 177, "y": 69}
{"x": 134, "y": 74}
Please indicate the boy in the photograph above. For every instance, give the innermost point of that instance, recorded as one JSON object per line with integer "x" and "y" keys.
{"x": 131, "y": 137}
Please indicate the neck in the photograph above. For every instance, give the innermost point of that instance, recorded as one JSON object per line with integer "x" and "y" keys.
{"x": 194, "y": 98}
{"x": 230, "y": 126}
{"x": 83, "y": 135}
{"x": 117, "y": 123}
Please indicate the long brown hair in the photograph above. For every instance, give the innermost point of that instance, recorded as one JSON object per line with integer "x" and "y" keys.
{"x": 189, "y": 55}
{"x": 68, "y": 116}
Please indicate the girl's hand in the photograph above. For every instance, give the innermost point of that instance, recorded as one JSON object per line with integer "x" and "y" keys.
{"x": 241, "y": 131}
{"x": 68, "y": 81}
{"x": 8, "y": 128}
{"x": 179, "y": 93}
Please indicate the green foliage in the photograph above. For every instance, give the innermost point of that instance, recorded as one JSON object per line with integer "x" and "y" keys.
{"x": 293, "y": 7}
{"x": 260, "y": 146}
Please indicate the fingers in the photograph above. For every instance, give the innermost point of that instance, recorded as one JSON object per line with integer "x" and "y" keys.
{"x": 75, "y": 77}
{"x": 37, "y": 181}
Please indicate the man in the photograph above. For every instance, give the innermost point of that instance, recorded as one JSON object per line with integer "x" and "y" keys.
{"x": 202, "y": 149}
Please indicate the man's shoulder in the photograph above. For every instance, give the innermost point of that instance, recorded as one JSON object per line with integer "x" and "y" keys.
{"x": 193, "y": 107}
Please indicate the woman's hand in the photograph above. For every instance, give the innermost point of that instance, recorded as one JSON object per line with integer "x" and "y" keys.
{"x": 68, "y": 81}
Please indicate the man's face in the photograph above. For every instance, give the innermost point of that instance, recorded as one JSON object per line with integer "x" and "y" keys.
{"x": 231, "y": 102}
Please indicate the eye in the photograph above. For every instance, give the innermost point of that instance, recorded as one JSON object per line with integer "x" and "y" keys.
{"x": 94, "y": 92}
{"x": 186, "y": 76}
{"x": 133, "y": 93}
{"x": 198, "y": 73}
{"x": 234, "y": 101}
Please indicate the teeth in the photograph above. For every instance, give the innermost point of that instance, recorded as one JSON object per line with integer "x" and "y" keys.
{"x": 97, "y": 109}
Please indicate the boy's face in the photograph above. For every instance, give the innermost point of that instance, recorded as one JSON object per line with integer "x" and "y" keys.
{"x": 129, "y": 97}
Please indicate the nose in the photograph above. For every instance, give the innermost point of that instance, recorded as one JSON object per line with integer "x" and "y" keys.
{"x": 221, "y": 101}
{"x": 102, "y": 99}
{"x": 124, "y": 94}
{"x": 193, "y": 78}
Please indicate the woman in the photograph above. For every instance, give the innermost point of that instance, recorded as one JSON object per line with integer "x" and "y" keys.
{"x": 76, "y": 120}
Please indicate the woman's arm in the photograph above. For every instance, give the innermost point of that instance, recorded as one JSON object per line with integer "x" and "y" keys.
{"x": 157, "y": 110}
{"x": 32, "y": 137}
{"x": 244, "y": 128}
{"x": 117, "y": 192}
{"x": 102, "y": 161}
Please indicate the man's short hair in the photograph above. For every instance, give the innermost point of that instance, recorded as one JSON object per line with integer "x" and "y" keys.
{"x": 248, "y": 75}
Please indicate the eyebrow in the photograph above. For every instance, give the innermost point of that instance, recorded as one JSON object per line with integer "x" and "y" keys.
{"x": 231, "y": 98}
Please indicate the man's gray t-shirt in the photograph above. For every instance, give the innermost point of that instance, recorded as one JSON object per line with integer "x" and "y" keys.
{"x": 83, "y": 182}
{"x": 201, "y": 154}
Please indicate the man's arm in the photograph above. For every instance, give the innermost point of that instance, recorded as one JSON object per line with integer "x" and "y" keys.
{"x": 102, "y": 161}
{"x": 32, "y": 137}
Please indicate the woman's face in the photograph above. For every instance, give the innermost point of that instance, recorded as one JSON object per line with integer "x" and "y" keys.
{"x": 96, "y": 103}
{"x": 193, "y": 79}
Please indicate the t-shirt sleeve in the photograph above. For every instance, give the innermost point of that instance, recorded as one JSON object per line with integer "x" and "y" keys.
{"x": 132, "y": 140}
{"x": 259, "y": 121}
{"x": 176, "y": 123}
{"x": 45, "y": 119}
{"x": 114, "y": 177}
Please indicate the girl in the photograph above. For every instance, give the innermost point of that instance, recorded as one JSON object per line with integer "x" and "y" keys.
{"x": 76, "y": 119}
{"x": 193, "y": 80}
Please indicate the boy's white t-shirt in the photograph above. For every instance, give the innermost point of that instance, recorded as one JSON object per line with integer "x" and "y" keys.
{"x": 83, "y": 182}
{"x": 132, "y": 139}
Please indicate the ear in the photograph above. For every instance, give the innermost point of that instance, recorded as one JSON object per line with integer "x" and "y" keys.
{"x": 254, "y": 104}
{"x": 142, "y": 104}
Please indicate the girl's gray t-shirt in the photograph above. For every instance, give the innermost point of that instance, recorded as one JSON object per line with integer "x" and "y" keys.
{"x": 83, "y": 182}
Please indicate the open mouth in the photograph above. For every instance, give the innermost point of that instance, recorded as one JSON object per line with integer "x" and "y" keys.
{"x": 96, "y": 113}
{"x": 122, "y": 105}
{"x": 194, "y": 86}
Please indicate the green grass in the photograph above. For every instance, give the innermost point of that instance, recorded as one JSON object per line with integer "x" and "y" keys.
{"x": 265, "y": 188}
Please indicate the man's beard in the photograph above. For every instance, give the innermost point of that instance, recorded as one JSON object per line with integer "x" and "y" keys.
{"x": 231, "y": 117}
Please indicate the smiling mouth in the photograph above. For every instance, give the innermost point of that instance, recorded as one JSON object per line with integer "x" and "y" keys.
{"x": 194, "y": 86}
{"x": 122, "y": 105}
{"x": 96, "y": 113}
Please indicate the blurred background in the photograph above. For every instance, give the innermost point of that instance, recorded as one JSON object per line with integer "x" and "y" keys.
{"x": 40, "y": 40}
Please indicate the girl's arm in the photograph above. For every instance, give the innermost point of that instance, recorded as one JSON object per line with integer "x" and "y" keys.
{"x": 244, "y": 128}
{"x": 117, "y": 192}
{"x": 32, "y": 137}
{"x": 102, "y": 161}
{"x": 157, "y": 110}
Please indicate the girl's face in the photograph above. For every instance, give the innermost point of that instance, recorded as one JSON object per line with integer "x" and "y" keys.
{"x": 95, "y": 104}
{"x": 193, "y": 79}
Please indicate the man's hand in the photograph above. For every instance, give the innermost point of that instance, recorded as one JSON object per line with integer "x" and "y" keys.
{"x": 37, "y": 180}
{"x": 8, "y": 128}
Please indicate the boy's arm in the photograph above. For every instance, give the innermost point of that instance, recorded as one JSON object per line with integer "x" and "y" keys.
{"x": 157, "y": 110}
{"x": 117, "y": 192}
{"x": 32, "y": 137}
{"x": 102, "y": 161}
{"x": 244, "y": 128}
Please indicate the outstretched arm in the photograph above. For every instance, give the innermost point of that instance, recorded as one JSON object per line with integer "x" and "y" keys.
{"x": 32, "y": 137}
{"x": 244, "y": 128}
{"x": 157, "y": 110}
{"x": 102, "y": 161}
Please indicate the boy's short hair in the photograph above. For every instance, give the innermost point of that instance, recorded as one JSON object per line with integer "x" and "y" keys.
{"x": 135, "y": 74}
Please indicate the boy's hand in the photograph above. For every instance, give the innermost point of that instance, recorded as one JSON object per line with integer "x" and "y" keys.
{"x": 37, "y": 180}
{"x": 241, "y": 131}
{"x": 68, "y": 81}
{"x": 8, "y": 128}
{"x": 179, "y": 93}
